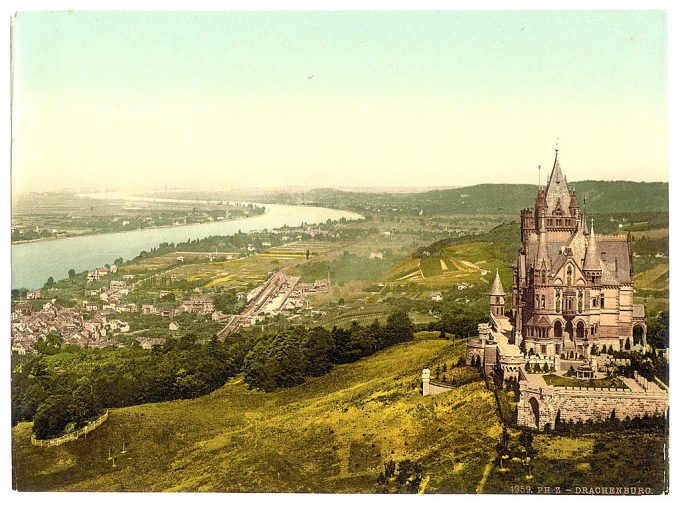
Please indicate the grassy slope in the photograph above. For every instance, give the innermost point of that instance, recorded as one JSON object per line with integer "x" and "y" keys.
{"x": 627, "y": 458}
{"x": 331, "y": 434}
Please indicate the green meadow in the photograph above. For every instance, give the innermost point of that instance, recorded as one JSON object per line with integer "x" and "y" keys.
{"x": 332, "y": 434}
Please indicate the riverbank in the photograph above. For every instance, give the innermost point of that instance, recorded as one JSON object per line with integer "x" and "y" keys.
{"x": 33, "y": 263}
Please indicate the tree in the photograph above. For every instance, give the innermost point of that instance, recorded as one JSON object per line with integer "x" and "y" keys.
{"x": 657, "y": 333}
{"x": 51, "y": 418}
{"x": 399, "y": 328}
{"x": 307, "y": 254}
{"x": 71, "y": 273}
{"x": 49, "y": 283}
{"x": 526, "y": 439}
{"x": 319, "y": 349}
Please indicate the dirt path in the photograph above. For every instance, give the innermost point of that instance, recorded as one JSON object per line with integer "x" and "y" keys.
{"x": 485, "y": 477}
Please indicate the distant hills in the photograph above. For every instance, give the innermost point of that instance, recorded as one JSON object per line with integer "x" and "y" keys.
{"x": 600, "y": 197}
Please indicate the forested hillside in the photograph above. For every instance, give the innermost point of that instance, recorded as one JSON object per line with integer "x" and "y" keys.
{"x": 600, "y": 197}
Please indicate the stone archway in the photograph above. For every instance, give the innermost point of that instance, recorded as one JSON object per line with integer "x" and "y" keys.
{"x": 569, "y": 329}
{"x": 535, "y": 410}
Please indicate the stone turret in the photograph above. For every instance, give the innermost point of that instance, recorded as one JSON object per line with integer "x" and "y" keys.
{"x": 592, "y": 260}
{"x": 497, "y": 297}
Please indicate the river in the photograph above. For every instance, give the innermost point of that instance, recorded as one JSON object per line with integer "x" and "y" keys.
{"x": 33, "y": 263}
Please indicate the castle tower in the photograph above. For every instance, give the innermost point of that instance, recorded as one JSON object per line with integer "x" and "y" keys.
{"x": 592, "y": 267}
{"x": 497, "y": 297}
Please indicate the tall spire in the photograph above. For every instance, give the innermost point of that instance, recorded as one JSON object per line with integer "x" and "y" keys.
{"x": 592, "y": 261}
{"x": 497, "y": 286}
{"x": 557, "y": 188}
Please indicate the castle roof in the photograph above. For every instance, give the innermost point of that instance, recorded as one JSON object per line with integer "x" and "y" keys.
{"x": 592, "y": 259}
{"x": 613, "y": 254}
{"x": 497, "y": 287}
{"x": 557, "y": 190}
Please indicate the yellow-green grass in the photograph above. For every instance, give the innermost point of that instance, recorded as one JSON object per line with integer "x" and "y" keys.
{"x": 655, "y": 278}
{"x": 653, "y": 305}
{"x": 616, "y": 458}
{"x": 652, "y": 233}
{"x": 331, "y": 434}
{"x": 471, "y": 263}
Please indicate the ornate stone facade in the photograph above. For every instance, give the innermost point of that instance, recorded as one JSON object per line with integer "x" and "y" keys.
{"x": 572, "y": 288}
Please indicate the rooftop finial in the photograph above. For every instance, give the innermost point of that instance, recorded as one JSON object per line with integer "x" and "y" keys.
{"x": 557, "y": 145}
{"x": 539, "y": 176}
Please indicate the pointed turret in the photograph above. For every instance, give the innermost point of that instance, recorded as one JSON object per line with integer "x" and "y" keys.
{"x": 557, "y": 187}
{"x": 592, "y": 260}
{"x": 542, "y": 257}
{"x": 497, "y": 297}
{"x": 497, "y": 286}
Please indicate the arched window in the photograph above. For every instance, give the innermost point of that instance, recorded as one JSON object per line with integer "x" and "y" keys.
{"x": 542, "y": 301}
{"x": 570, "y": 274}
{"x": 580, "y": 301}
{"x": 558, "y": 329}
{"x": 537, "y": 301}
{"x": 543, "y": 277}
{"x": 558, "y": 301}
{"x": 580, "y": 330}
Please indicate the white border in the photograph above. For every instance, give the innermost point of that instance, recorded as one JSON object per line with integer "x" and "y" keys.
{"x": 90, "y": 499}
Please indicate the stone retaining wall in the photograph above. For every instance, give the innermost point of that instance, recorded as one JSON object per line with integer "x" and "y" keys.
{"x": 432, "y": 388}
{"x": 538, "y": 405}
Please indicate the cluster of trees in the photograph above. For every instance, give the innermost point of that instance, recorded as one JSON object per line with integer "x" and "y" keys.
{"x": 613, "y": 423}
{"x": 537, "y": 368}
{"x": 285, "y": 358}
{"x": 63, "y": 391}
{"x": 657, "y": 330}
{"x": 63, "y": 388}
{"x": 648, "y": 365}
{"x": 228, "y": 301}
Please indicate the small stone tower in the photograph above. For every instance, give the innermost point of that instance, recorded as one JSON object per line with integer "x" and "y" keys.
{"x": 497, "y": 297}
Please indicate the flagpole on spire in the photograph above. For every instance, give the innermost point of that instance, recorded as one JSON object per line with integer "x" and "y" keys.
{"x": 539, "y": 176}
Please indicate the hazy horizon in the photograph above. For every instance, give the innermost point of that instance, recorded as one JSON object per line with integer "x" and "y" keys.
{"x": 141, "y": 101}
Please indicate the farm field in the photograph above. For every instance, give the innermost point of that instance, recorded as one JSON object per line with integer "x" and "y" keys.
{"x": 655, "y": 278}
{"x": 331, "y": 434}
{"x": 471, "y": 263}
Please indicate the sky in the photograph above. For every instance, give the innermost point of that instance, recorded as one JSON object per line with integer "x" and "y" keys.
{"x": 142, "y": 101}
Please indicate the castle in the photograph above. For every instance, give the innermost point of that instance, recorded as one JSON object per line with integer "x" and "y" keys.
{"x": 572, "y": 306}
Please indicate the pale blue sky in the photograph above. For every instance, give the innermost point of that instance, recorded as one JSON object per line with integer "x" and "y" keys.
{"x": 429, "y": 98}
